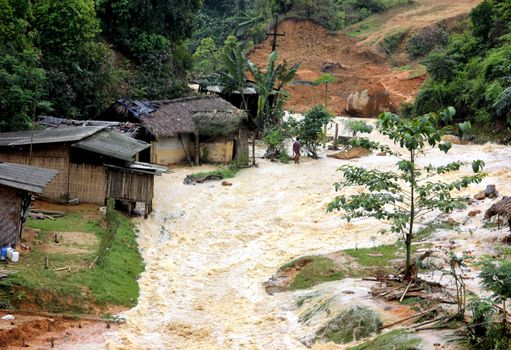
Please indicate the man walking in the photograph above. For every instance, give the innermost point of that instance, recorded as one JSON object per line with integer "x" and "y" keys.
{"x": 296, "y": 150}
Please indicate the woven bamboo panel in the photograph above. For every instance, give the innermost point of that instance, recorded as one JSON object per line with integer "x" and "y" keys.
{"x": 130, "y": 186}
{"x": 87, "y": 183}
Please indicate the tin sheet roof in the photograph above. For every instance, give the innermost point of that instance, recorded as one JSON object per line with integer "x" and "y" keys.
{"x": 140, "y": 167}
{"x": 55, "y": 135}
{"x": 24, "y": 177}
{"x": 112, "y": 144}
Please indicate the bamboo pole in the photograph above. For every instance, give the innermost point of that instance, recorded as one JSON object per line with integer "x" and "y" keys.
{"x": 197, "y": 148}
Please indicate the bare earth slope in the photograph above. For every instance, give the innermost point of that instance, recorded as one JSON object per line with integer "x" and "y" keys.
{"x": 353, "y": 56}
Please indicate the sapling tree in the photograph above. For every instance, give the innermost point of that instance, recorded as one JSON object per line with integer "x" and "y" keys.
{"x": 496, "y": 277}
{"x": 325, "y": 79}
{"x": 405, "y": 195}
{"x": 310, "y": 128}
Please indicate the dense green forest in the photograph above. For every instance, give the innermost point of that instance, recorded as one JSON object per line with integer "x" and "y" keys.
{"x": 473, "y": 73}
{"x": 72, "y": 58}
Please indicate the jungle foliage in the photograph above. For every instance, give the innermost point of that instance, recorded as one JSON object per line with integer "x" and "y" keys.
{"x": 473, "y": 73}
{"x": 73, "y": 58}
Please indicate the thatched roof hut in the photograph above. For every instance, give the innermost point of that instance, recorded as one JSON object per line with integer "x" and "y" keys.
{"x": 169, "y": 118}
{"x": 173, "y": 124}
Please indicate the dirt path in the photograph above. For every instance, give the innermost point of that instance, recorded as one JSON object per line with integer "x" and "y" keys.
{"x": 420, "y": 14}
{"x": 209, "y": 248}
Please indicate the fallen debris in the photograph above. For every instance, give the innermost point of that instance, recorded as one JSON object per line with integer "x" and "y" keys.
{"x": 474, "y": 212}
{"x": 192, "y": 180}
{"x": 501, "y": 208}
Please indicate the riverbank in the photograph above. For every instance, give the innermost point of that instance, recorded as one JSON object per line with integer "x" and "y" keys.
{"x": 60, "y": 279}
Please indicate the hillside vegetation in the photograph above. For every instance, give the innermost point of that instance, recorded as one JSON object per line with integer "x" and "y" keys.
{"x": 56, "y": 56}
{"x": 473, "y": 73}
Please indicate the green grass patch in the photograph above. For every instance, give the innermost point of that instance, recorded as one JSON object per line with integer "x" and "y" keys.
{"x": 320, "y": 269}
{"x": 395, "y": 340}
{"x": 355, "y": 323}
{"x": 363, "y": 28}
{"x": 114, "y": 281}
{"x": 380, "y": 256}
{"x": 316, "y": 269}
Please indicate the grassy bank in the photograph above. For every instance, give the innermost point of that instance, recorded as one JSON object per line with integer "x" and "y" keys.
{"x": 315, "y": 269}
{"x": 79, "y": 289}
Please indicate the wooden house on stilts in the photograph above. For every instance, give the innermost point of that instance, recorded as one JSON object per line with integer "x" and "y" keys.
{"x": 94, "y": 163}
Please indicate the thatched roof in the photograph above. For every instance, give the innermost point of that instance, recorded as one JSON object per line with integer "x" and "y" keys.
{"x": 211, "y": 115}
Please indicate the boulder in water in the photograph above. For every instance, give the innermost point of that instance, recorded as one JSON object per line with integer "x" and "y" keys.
{"x": 369, "y": 103}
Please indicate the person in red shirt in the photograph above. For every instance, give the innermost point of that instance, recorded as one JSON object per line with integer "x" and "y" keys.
{"x": 296, "y": 150}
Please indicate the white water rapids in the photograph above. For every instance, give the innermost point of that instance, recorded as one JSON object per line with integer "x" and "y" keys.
{"x": 208, "y": 249}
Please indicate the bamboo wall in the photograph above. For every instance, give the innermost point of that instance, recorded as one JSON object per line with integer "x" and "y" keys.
{"x": 170, "y": 151}
{"x": 83, "y": 181}
{"x": 87, "y": 183}
{"x": 10, "y": 215}
{"x": 50, "y": 156}
{"x": 130, "y": 186}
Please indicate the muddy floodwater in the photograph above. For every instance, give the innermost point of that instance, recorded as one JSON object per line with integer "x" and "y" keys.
{"x": 208, "y": 249}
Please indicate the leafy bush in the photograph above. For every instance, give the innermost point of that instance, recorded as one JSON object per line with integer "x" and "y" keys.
{"x": 422, "y": 43}
{"x": 391, "y": 42}
{"x": 473, "y": 72}
{"x": 311, "y": 127}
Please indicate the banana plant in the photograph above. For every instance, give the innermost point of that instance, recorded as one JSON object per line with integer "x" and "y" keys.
{"x": 270, "y": 81}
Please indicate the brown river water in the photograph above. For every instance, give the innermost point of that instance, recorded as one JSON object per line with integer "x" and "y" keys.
{"x": 209, "y": 248}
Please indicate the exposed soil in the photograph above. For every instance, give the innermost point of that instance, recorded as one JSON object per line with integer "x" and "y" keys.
{"x": 90, "y": 211}
{"x": 357, "y": 62}
{"x": 71, "y": 243}
{"x": 39, "y": 332}
{"x": 351, "y": 153}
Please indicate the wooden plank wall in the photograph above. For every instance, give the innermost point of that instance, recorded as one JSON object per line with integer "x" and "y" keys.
{"x": 130, "y": 186}
{"x": 10, "y": 215}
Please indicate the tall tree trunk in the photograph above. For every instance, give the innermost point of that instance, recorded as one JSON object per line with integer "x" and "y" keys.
{"x": 409, "y": 235}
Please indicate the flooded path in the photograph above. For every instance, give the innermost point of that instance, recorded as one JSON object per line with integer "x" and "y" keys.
{"x": 208, "y": 249}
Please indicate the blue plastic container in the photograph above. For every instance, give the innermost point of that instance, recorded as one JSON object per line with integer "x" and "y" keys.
{"x": 3, "y": 253}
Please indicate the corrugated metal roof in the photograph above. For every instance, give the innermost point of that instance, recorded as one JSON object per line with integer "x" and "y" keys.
{"x": 140, "y": 167}
{"x": 57, "y": 135}
{"x": 220, "y": 90}
{"x": 112, "y": 144}
{"x": 24, "y": 177}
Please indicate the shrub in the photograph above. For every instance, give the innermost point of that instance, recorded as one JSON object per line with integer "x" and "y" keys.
{"x": 424, "y": 42}
{"x": 392, "y": 41}
{"x": 310, "y": 128}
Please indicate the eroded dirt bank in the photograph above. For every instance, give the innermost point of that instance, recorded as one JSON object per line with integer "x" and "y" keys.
{"x": 209, "y": 248}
